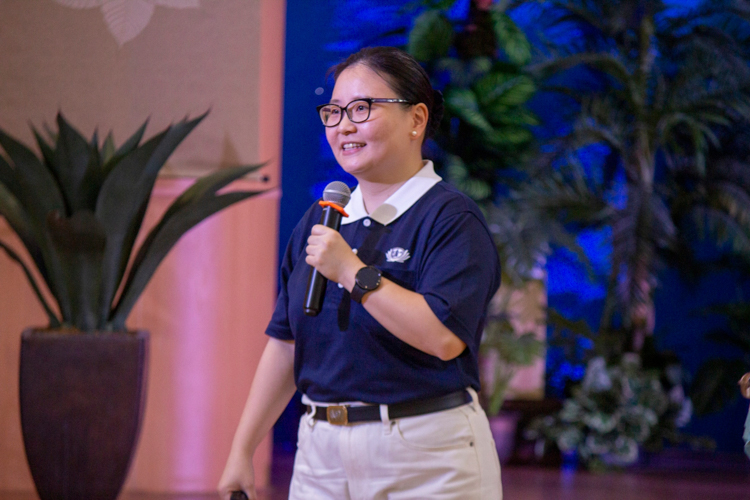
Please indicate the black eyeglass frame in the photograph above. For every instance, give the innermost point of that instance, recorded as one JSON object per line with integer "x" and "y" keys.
{"x": 368, "y": 100}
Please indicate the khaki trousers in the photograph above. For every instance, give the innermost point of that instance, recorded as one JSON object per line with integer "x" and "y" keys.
{"x": 446, "y": 455}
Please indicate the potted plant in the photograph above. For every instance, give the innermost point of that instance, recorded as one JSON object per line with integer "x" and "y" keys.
{"x": 505, "y": 348}
{"x": 476, "y": 58}
{"x": 78, "y": 209}
{"x": 619, "y": 408}
{"x": 503, "y": 351}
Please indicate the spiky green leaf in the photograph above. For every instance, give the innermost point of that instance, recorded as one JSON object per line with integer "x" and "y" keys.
{"x": 79, "y": 241}
{"x": 78, "y": 168}
{"x": 54, "y": 321}
{"x": 192, "y": 207}
{"x": 38, "y": 190}
{"x": 124, "y": 197}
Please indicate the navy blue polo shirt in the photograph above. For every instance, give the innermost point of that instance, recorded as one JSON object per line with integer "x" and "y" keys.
{"x": 427, "y": 237}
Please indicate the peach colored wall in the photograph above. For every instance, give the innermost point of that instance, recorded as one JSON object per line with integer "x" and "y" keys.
{"x": 210, "y": 300}
{"x": 226, "y": 56}
{"x": 206, "y": 309}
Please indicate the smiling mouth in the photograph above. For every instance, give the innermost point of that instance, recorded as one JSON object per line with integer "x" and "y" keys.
{"x": 349, "y": 146}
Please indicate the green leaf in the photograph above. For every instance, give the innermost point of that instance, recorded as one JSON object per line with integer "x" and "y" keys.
{"x": 124, "y": 197}
{"x": 47, "y": 152}
{"x": 20, "y": 221}
{"x": 77, "y": 168}
{"x": 477, "y": 67}
{"x": 463, "y": 103}
{"x": 195, "y": 205}
{"x": 132, "y": 142}
{"x": 493, "y": 85}
{"x": 8, "y": 176}
{"x": 489, "y": 88}
{"x": 514, "y": 116}
{"x": 734, "y": 200}
{"x": 515, "y": 92}
{"x": 38, "y": 190}
{"x": 54, "y": 321}
{"x": 509, "y": 136}
{"x": 722, "y": 228}
{"x": 79, "y": 241}
{"x": 208, "y": 185}
{"x": 108, "y": 149}
{"x": 458, "y": 175}
{"x": 511, "y": 38}
{"x": 431, "y": 37}
{"x": 37, "y": 243}
{"x": 110, "y": 156}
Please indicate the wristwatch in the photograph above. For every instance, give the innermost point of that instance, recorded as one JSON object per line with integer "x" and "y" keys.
{"x": 366, "y": 280}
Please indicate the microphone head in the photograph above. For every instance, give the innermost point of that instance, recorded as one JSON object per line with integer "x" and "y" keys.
{"x": 337, "y": 192}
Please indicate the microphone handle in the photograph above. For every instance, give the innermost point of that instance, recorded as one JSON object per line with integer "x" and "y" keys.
{"x": 316, "y": 282}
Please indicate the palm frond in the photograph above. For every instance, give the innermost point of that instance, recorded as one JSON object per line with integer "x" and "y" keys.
{"x": 721, "y": 228}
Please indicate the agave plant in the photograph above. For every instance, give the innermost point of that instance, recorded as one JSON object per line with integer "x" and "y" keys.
{"x": 652, "y": 84}
{"x": 79, "y": 207}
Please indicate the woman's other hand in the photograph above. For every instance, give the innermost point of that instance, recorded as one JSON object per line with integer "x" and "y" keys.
{"x": 238, "y": 475}
{"x": 331, "y": 255}
{"x": 273, "y": 387}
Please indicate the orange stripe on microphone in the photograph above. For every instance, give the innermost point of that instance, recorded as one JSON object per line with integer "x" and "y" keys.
{"x": 333, "y": 205}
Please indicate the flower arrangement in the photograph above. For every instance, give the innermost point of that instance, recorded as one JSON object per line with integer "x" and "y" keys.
{"x": 616, "y": 410}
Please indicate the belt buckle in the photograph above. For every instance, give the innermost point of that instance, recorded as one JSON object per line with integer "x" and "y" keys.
{"x": 337, "y": 415}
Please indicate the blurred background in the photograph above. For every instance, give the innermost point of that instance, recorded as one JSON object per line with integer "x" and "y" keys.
{"x": 542, "y": 128}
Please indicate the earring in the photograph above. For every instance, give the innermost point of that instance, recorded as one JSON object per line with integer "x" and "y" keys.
{"x": 413, "y": 133}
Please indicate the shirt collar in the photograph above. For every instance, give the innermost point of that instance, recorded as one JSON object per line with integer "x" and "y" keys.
{"x": 396, "y": 204}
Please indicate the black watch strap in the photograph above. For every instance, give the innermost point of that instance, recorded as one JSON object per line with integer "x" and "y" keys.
{"x": 367, "y": 280}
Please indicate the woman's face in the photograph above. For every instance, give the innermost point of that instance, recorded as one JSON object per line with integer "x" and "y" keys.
{"x": 380, "y": 146}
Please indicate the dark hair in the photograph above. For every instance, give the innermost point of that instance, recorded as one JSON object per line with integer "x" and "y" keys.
{"x": 403, "y": 74}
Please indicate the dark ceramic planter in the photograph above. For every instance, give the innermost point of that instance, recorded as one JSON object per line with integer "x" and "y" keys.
{"x": 82, "y": 400}
{"x": 503, "y": 427}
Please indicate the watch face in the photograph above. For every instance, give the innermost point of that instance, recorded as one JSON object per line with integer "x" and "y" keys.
{"x": 368, "y": 278}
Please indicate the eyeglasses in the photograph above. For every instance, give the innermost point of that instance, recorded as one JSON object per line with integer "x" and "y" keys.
{"x": 358, "y": 110}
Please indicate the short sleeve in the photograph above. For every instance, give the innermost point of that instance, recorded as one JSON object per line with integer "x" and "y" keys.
{"x": 459, "y": 274}
{"x": 279, "y": 326}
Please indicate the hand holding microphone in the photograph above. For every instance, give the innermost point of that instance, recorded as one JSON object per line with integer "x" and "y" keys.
{"x": 335, "y": 197}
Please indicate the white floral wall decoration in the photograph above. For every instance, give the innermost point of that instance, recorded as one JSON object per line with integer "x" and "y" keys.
{"x": 127, "y": 18}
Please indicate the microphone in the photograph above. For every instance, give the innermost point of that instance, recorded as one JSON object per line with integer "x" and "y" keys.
{"x": 238, "y": 495}
{"x": 335, "y": 197}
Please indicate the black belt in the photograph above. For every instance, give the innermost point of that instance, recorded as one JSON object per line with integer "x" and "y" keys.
{"x": 346, "y": 414}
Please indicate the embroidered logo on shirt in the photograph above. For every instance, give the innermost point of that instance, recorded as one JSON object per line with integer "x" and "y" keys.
{"x": 397, "y": 254}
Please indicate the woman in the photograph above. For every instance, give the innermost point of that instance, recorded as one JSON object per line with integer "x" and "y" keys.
{"x": 388, "y": 368}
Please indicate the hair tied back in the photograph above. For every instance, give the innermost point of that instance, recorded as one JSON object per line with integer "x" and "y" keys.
{"x": 438, "y": 96}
